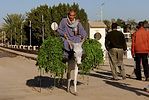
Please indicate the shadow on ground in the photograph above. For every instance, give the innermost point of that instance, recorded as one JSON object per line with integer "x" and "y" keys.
{"x": 45, "y": 82}
{"x": 128, "y": 87}
{"x": 103, "y": 75}
{"x": 128, "y": 65}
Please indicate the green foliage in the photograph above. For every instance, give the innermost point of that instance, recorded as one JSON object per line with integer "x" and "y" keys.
{"x": 50, "y": 56}
{"x": 107, "y": 23}
{"x": 12, "y": 26}
{"x": 120, "y": 22}
{"x": 60, "y": 11}
{"x": 40, "y": 18}
{"x": 94, "y": 55}
{"x": 50, "y": 14}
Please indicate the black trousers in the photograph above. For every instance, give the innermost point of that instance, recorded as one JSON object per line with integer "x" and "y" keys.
{"x": 141, "y": 57}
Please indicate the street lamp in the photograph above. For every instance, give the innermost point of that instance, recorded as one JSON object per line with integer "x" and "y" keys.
{"x": 21, "y": 30}
{"x": 11, "y": 37}
{"x": 21, "y": 34}
{"x": 30, "y": 25}
{"x": 2, "y": 37}
{"x": 15, "y": 34}
{"x": 42, "y": 19}
{"x": 101, "y": 12}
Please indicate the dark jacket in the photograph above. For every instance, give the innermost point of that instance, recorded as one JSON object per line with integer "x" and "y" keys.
{"x": 115, "y": 39}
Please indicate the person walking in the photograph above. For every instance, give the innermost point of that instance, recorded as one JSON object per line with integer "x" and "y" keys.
{"x": 146, "y": 26}
{"x": 115, "y": 44}
{"x": 70, "y": 29}
{"x": 134, "y": 71}
{"x": 140, "y": 50}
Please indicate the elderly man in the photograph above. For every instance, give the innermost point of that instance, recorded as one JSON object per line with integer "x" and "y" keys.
{"x": 70, "y": 29}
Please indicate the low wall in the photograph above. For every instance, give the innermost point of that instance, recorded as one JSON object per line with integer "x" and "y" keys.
{"x": 25, "y": 47}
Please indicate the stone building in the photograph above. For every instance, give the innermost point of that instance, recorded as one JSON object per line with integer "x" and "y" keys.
{"x": 97, "y": 30}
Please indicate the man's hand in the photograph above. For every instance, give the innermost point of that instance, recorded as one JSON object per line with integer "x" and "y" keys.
{"x": 65, "y": 36}
{"x": 69, "y": 42}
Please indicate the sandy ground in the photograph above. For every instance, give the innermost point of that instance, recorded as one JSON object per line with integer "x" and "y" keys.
{"x": 19, "y": 80}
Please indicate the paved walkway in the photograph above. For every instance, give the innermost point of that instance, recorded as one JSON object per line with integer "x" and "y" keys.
{"x": 20, "y": 81}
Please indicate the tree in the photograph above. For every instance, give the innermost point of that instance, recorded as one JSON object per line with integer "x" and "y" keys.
{"x": 107, "y": 23}
{"x": 40, "y": 21}
{"x": 60, "y": 11}
{"x": 131, "y": 25}
{"x": 50, "y": 14}
{"x": 12, "y": 27}
{"x": 121, "y": 23}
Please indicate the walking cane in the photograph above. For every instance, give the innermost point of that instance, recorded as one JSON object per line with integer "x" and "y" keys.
{"x": 68, "y": 41}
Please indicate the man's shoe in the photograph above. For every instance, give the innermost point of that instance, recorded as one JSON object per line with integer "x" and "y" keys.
{"x": 124, "y": 78}
{"x": 138, "y": 79}
{"x": 147, "y": 79}
{"x": 146, "y": 88}
{"x": 116, "y": 79}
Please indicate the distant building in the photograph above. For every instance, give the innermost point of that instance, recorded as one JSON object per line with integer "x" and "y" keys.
{"x": 97, "y": 30}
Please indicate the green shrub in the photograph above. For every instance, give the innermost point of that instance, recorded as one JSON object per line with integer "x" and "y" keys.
{"x": 93, "y": 55}
{"x": 50, "y": 56}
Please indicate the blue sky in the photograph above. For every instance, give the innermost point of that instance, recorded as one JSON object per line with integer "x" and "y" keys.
{"x": 124, "y": 9}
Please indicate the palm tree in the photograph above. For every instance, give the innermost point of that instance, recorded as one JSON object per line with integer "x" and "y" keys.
{"x": 12, "y": 27}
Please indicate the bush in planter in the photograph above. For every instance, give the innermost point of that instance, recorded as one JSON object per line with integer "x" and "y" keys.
{"x": 50, "y": 56}
{"x": 93, "y": 55}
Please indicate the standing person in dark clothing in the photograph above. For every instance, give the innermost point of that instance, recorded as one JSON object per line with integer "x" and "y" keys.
{"x": 140, "y": 50}
{"x": 116, "y": 45}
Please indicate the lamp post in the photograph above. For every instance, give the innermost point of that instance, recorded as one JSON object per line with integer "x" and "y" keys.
{"x": 21, "y": 34}
{"x": 30, "y": 25}
{"x": 42, "y": 19}
{"x": 15, "y": 35}
{"x": 22, "y": 30}
{"x": 101, "y": 12}
{"x": 11, "y": 37}
{"x": 2, "y": 38}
